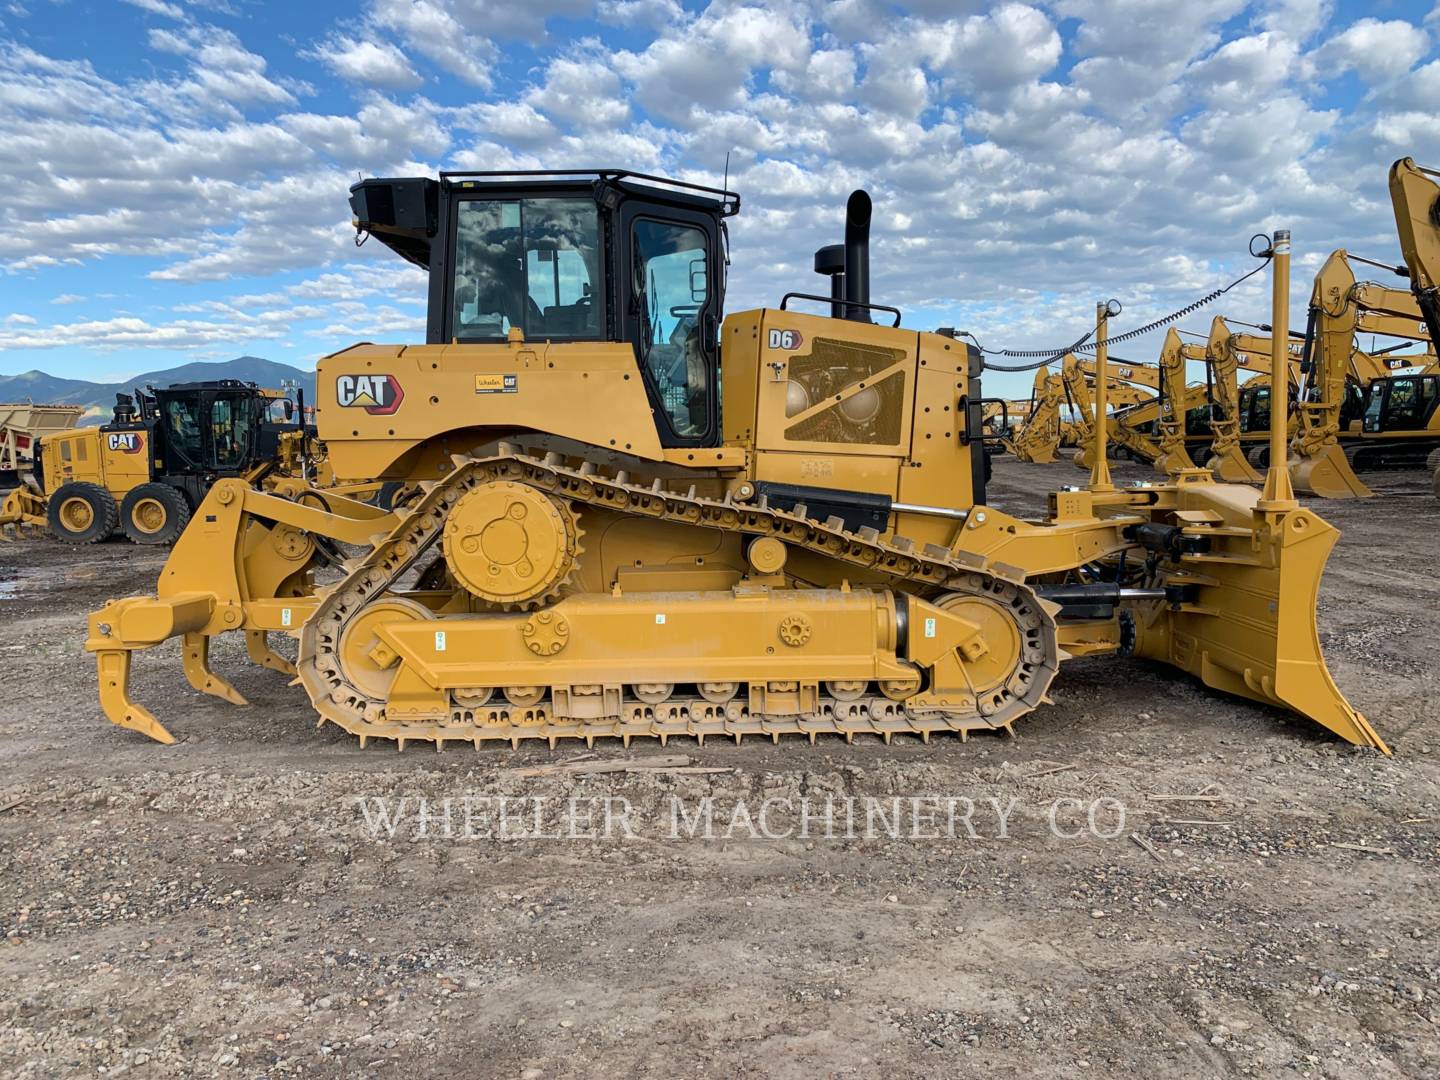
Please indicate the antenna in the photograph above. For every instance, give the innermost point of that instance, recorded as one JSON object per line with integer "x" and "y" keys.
{"x": 725, "y": 184}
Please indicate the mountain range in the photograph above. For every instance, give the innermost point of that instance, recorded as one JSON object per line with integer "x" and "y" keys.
{"x": 99, "y": 398}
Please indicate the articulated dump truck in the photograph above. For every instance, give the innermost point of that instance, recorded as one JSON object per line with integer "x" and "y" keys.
{"x": 634, "y": 515}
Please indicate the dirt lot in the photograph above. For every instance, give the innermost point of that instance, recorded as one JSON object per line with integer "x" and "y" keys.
{"x": 219, "y": 907}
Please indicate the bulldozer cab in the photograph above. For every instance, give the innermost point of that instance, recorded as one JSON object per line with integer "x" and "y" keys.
{"x": 573, "y": 257}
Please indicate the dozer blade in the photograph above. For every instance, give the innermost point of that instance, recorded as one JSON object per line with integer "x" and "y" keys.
{"x": 1251, "y": 628}
{"x": 1328, "y": 475}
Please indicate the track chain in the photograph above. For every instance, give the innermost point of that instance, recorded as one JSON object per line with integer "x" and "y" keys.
{"x": 929, "y": 568}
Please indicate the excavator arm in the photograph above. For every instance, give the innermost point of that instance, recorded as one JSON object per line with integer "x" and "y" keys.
{"x": 1038, "y": 438}
{"x": 1226, "y": 459}
{"x": 1125, "y": 371}
{"x": 1415, "y": 198}
{"x": 1173, "y": 404}
{"x": 1318, "y": 465}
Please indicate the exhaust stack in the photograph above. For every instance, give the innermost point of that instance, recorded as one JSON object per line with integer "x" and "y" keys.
{"x": 830, "y": 261}
{"x": 857, "y": 255}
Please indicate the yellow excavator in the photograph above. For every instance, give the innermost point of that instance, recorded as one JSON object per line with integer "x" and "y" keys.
{"x": 1177, "y": 401}
{"x": 1252, "y": 353}
{"x": 1331, "y": 395}
{"x": 1415, "y": 198}
{"x": 775, "y": 525}
{"x": 1038, "y": 437}
{"x": 1226, "y": 459}
{"x": 1125, "y": 393}
{"x": 1239, "y": 413}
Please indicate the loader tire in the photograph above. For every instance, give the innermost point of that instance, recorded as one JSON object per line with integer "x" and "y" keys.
{"x": 81, "y": 513}
{"x": 154, "y": 514}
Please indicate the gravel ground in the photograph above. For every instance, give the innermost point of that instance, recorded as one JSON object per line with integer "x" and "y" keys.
{"x": 221, "y": 907}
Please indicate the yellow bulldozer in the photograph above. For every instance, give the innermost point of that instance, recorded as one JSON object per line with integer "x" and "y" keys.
{"x": 641, "y": 516}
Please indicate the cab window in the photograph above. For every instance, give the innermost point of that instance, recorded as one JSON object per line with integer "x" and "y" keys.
{"x": 230, "y": 426}
{"x": 672, "y": 288}
{"x": 1260, "y": 410}
{"x": 182, "y": 428}
{"x": 527, "y": 263}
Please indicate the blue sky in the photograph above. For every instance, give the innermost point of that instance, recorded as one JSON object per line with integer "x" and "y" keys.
{"x": 176, "y": 172}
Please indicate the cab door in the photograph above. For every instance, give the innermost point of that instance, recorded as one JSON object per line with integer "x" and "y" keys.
{"x": 669, "y": 302}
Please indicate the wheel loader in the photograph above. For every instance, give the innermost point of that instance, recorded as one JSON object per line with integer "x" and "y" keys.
{"x": 640, "y": 516}
{"x": 146, "y": 471}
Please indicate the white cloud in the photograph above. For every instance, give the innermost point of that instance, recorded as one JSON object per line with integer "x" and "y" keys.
{"x": 1374, "y": 49}
{"x": 829, "y": 76}
{"x": 1298, "y": 19}
{"x": 159, "y": 7}
{"x": 582, "y": 89}
{"x": 652, "y": 13}
{"x": 371, "y": 63}
{"x": 893, "y": 84}
{"x": 708, "y": 63}
{"x": 222, "y": 68}
{"x": 1247, "y": 67}
{"x": 1020, "y": 154}
{"x": 430, "y": 28}
{"x": 508, "y": 19}
{"x": 1005, "y": 48}
{"x": 17, "y": 319}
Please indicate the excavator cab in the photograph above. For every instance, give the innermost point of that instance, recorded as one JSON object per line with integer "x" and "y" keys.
{"x": 1402, "y": 403}
{"x": 573, "y": 257}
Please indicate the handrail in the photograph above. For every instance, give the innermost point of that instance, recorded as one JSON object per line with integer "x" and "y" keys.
{"x": 842, "y": 303}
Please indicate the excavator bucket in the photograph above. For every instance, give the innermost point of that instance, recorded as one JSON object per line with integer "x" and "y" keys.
{"x": 1251, "y": 629}
{"x": 1328, "y": 475}
{"x": 1174, "y": 457}
{"x": 1231, "y": 467}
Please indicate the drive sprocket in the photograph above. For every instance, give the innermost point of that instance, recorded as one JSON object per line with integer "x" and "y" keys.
{"x": 510, "y": 544}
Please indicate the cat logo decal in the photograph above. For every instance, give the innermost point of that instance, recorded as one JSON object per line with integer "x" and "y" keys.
{"x": 378, "y": 395}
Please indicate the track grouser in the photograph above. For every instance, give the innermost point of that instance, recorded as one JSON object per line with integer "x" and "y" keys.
{"x": 624, "y": 513}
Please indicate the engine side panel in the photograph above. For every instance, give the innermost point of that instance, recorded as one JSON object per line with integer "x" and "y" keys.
{"x": 379, "y": 404}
